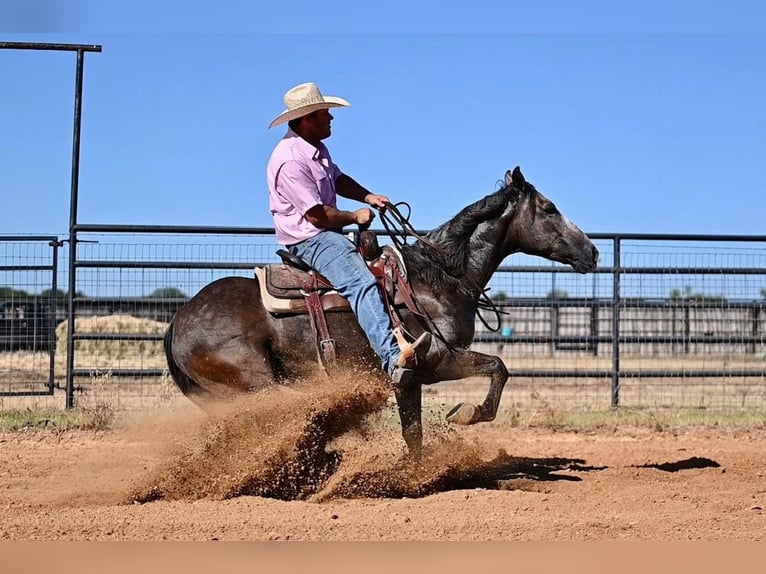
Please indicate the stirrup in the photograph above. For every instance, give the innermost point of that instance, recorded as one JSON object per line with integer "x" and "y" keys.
{"x": 410, "y": 351}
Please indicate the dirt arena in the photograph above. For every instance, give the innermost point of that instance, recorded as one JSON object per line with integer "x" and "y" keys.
{"x": 311, "y": 466}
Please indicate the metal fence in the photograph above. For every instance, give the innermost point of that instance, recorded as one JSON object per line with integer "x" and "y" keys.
{"x": 666, "y": 320}
{"x": 28, "y": 314}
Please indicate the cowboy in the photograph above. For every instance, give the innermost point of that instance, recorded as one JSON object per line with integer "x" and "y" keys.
{"x": 303, "y": 187}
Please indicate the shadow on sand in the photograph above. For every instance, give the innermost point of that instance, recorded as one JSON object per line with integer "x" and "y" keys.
{"x": 504, "y": 472}
{"x": 685, "y": 464}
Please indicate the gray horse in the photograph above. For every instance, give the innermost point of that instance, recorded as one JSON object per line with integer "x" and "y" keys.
{"x": 223, "y": 342}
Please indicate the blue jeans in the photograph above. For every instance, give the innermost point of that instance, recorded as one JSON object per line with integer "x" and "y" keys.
{"x": 335, "y": 257}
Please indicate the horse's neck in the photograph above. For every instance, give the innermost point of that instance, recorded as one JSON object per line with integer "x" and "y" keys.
{"x": 486, "y": 254}
{"x": 471, "y": 246}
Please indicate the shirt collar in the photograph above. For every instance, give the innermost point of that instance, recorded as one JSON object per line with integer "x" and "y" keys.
{"x": 305, "y": 147}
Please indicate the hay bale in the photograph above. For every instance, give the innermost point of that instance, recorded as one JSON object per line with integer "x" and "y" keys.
{"x": 114, "y": 324}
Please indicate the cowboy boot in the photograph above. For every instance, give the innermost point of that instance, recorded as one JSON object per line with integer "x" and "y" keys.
{"x": 404, "y": 370}
{"x": 410, "y": 351}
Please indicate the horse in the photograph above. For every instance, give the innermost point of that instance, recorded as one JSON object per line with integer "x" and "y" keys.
{"x": 223, "y": 343}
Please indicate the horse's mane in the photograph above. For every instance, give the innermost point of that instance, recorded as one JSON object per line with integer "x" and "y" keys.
{"x": 454, "y": 237}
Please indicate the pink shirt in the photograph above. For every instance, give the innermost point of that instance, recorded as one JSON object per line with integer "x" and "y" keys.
{"x": 300, "y": 176}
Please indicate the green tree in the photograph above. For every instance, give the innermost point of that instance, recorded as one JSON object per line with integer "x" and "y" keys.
{"x": 685, "y": 294}
{"x": 689, "y": 295}
{"x": 7, "y": 293}
{"x": 499, "y": 297}
{"x": 557, "y": 294}
{"x": 62, "y": 297}
{"x": 168, "y": 293}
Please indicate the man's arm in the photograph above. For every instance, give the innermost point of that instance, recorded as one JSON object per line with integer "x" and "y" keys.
{"x": 326, "y": 217}
{"x": 347, "y": 187}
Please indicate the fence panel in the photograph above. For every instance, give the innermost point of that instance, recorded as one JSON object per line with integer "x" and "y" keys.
{"x": 28, "y": 315}
{"x": 664, "y": 321}
{"x": 689, "y": 318}
{"x": 129, "y": 285}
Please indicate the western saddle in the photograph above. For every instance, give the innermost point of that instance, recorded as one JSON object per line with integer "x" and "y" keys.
{"x": 294, "y": 288}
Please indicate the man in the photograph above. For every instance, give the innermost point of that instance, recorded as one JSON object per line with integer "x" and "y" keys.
{"x": 303, "y": 187}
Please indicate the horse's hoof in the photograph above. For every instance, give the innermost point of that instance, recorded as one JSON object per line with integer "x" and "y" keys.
{"x": 464, "y": 414}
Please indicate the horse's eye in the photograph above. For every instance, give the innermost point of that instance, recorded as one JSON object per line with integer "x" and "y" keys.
{"x": 550, "y": 209}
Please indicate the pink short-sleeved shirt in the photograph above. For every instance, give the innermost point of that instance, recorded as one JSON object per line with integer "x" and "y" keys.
{"x": 300, "y": 176}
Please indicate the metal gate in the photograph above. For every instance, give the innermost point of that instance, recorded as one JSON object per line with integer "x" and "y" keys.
{"x": 29, "y": 313}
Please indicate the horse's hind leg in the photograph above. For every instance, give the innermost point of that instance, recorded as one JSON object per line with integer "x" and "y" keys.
{"x": 221, "y": 339}
{"x": 220, "y": 365}
{"x": 463, "y": 364}
{"x": 226, "y": 372}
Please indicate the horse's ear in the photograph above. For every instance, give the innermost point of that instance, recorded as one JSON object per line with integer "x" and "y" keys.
{"x": 508, "y": 178}
{"x": 517, "y": 178}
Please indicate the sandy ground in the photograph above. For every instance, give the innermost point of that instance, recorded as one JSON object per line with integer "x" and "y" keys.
{"x": 255, "y": 474}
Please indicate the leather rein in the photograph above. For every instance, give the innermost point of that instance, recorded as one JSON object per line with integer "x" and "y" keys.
{"x": 398, "y": 228}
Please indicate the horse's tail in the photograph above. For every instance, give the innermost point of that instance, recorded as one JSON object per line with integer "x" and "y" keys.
{"x": 188, "y": 386}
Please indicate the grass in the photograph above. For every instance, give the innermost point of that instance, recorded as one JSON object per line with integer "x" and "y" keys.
{"x": 101, "y": 416}
{"x": 542, "y": 414}
{"x": 656, "y": 419}
{"x": 564, "y": 404}
{"x": 95, "y": 418}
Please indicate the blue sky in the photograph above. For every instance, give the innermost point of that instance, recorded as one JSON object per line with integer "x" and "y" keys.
{"x": 647, "y": 119}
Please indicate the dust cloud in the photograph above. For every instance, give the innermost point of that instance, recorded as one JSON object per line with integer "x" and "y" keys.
{"x": 316, "y": 441}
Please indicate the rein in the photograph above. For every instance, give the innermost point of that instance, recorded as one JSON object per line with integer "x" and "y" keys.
{"x": 392, "y": 217}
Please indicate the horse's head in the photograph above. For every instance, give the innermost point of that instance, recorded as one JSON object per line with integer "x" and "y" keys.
{"x": 541, "y": 229}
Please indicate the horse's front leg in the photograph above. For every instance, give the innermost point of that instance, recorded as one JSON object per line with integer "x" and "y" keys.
{"x": 461, "y": 364}
{"x": 408, "y": 400}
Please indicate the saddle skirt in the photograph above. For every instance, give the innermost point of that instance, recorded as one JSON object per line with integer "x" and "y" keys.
{"x": 283, "y": 287}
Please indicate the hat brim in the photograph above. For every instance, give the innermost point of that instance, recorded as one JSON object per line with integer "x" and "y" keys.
{"x": 329, "y": 102}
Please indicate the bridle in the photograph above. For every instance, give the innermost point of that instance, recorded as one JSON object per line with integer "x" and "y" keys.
{"x": 398, "y": 228}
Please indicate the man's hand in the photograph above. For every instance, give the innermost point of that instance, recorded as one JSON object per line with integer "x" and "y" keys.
{"x": 364, "y": 216}
{"x": 375, "y": 200}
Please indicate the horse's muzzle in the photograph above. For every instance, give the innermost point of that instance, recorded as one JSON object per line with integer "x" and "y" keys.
{"x": 587, "y": 262}
{"x": 594, "y": 259}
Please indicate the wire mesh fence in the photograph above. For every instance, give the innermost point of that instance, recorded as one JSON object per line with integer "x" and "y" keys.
{"x": 669, "y": 324}
{"x": 28, "y": 314}
{"x": 128, "y": 288}
{"x": 663, "y": 322}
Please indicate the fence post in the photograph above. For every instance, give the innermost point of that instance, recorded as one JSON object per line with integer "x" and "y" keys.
{"x": 616, "y": 325}
{"x": 73, "y": 228}
{"x": 53, "y": 310}
{"x": 75, "y": 178}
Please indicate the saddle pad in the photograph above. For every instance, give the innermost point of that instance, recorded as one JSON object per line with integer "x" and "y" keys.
{"x": 331, "y": 300}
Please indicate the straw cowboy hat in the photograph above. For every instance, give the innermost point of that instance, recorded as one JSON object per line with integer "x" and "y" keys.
{"x": 304, "y": 99}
